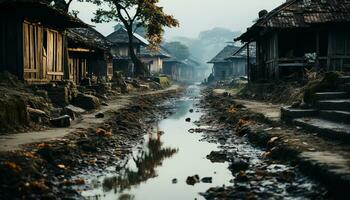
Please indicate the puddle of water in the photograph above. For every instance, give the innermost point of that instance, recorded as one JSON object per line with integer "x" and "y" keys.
{"x": 169, "y": 152}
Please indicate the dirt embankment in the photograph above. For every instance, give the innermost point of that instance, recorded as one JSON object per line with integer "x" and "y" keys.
{"x": 44, "y": 171}
{"x": 15, "y": 98}
{"x": 279, "y": 141}
{"x": 281, "y": 92}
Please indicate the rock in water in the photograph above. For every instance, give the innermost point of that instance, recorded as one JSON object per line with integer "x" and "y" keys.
{"x": 207, "y": 180}
{"x": 174, "y": 181}
{"x": 191, "y": 110}
{"x": 238, "y": 165}
{"x": 192, "y": 180}
{"x": 63, "y": 121}
{"x": 87, "y": 102}
{"x": 100, "y": 115}
{"x": 188, "y": 119}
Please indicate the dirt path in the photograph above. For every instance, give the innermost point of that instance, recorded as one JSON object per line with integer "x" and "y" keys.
{"x": 16, "y": 141}
{"x": 269, "y": 110}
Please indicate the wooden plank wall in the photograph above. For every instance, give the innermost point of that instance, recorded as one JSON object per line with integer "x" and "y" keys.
{"x": 77, "y": 68}
{"x": 339, "y": 51}
{"x": 42, "y": 53}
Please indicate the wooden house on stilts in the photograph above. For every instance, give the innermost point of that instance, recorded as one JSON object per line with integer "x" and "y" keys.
{"x": 300, "y": 34}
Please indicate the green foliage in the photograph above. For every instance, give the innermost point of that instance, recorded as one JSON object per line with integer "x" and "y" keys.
{"x": 177, "y": 49}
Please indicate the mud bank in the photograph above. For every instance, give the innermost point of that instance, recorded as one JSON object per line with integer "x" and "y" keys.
{"x": 263, "y": 165}
{"x": 45, "y": 170}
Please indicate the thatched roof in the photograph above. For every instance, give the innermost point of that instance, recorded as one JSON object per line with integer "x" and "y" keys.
{"x": 88, "y": 37}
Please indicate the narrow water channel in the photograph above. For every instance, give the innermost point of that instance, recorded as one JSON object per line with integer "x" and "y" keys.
{"x": 159, "y": 168}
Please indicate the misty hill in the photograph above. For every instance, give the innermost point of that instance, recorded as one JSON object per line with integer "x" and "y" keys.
{"x": 208, "y": 43}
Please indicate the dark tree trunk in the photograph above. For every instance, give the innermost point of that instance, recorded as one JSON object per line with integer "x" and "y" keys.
{"x": 140, "y": 68}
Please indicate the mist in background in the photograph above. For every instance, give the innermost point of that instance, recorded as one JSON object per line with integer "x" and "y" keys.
{"x": 206, "y": 26}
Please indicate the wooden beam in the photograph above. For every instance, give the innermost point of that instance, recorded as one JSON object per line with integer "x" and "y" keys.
{"x": 80, "y": 50}
{"x": 317, "y": 51}
{"x": 248, "y": 62}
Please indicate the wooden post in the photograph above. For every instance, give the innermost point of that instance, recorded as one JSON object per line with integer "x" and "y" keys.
{"x": 248, "y": 63}
{"x": 317, "y": 51}
{"x": 66, "y": 71}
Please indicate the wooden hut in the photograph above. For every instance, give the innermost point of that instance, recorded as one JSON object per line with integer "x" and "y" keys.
{"x": 153, "y": 59}
{"x": 89, "y": 54}
{"x": 120, "y": 50}
{"x": 32, "y": 40}
{"x": 240, "y": 59}
{"x": 222, "y": 67}
{"x": 301, "y": 34}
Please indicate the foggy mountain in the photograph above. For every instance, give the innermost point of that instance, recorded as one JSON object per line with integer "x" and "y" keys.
{"x": 208, "y": 43}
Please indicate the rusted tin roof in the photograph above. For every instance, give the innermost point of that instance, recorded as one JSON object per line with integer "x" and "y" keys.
{"x": 301, "y": 14}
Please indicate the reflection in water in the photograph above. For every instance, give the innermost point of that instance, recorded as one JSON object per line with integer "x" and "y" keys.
{"x": 144, "y": 163}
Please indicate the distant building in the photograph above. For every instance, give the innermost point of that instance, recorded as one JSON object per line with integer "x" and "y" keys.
{"x": 300, "y": 34}
{"x": 89, "y": 54}
{"x": 33, "y": 42}
{"x": 239, "y": 59}
{"x": 153, "y": 60}
{"x": 222, "y": 67}
{"x": 188, "y": 70}
{"x": 120, "y": 50}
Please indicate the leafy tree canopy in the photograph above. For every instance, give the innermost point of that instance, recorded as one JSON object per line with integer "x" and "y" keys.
{"x": 146, "y": 13}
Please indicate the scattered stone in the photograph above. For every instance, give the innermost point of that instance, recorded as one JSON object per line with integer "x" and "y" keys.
{"x": 188, "y": 119}
{"x": 238, "y": 165}
{"x": 192, "y": 180}
{"x": 207, "y": 180}
{"x": 87, "y": 102}
{"x": 61, "y": 122}
{"x": 241, "y": 177}
{"x": 174, "y": 181}
{"x": 73, "y": 111}
{"x": 271, "y": 142}
{"x": 100, "y": 115}
{"x": 36, "y": 115}
{"x": 217, "y": 156}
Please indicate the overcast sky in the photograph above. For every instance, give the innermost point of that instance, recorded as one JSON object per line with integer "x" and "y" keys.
{"x": 197, "y": 15}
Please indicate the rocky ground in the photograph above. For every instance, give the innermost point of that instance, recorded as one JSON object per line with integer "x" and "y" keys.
{"x": 45, "y": 170}
{"x": 267, "y": 157}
